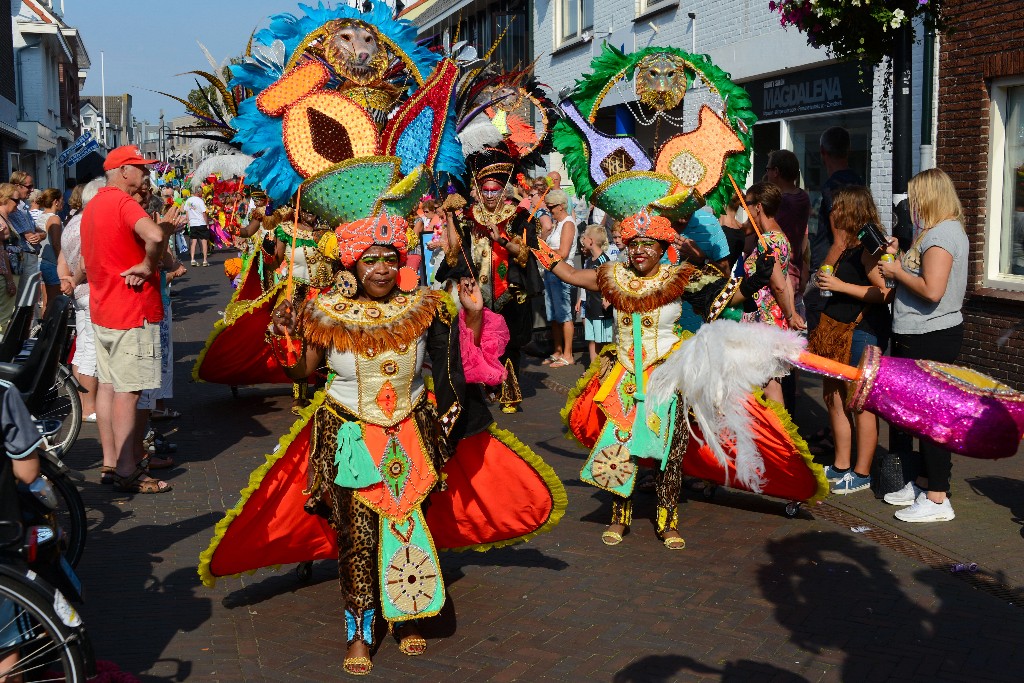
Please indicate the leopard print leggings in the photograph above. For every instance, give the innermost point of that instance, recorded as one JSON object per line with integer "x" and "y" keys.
{"x": 667, "y": 484}
{"x": 357, "y": 526}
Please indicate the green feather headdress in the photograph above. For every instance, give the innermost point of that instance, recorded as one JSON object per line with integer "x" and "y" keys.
{"x": 612, "y": 66}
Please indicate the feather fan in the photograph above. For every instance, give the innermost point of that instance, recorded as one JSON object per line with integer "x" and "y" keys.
{"x": 714, "y": 372}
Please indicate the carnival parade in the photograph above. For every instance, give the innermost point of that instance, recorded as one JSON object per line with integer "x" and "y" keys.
{"x": 530, "y": 351}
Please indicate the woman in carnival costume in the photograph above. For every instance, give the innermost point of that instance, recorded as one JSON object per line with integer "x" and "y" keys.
{"x": 742, "y": 440}
{"x": 354, "y": 476}
{"x": 304, "y": 264}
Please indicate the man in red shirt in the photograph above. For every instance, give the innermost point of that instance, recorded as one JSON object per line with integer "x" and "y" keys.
{"x": 121, "y": 251}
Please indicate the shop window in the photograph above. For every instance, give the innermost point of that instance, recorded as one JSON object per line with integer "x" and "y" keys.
{"x": 576, "y": 20}
{"x": 805, "y": 140}
{"x": 1004, "y": 258}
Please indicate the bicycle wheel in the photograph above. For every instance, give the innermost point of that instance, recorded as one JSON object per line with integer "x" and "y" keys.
{"x": 70, "y": 512}
{"x": 36, "y": 643}
{"x": 63, "y": 403}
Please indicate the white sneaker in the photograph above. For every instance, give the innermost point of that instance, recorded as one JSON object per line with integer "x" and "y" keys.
{"x": 924, "y": 510}
{"x": 91, "y": 417}
{"x": 905, "y": 496}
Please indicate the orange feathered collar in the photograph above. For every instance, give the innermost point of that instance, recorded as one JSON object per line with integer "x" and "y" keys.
{"x": 630, "y": 293}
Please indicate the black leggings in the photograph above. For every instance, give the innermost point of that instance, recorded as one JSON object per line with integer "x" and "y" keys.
{"x": 942, "y": 346}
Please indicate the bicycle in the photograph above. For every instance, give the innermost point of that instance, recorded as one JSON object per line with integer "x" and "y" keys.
{"x": 42, "y": 637}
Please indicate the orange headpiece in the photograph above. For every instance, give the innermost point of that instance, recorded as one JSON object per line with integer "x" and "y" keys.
{"x": 644, "y": 224}
{"x": 356, "y": 237}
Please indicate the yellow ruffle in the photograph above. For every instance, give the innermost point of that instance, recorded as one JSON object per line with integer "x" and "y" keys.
{"x": 558, "y": 497}
{"x": 255, "y": 479}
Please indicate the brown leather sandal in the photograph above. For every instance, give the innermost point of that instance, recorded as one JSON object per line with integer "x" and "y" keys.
{"x": 134, "y": 483}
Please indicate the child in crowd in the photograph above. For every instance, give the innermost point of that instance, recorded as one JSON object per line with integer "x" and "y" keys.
{"x": 597, "y": 311}
{"x": 617, "y": 249}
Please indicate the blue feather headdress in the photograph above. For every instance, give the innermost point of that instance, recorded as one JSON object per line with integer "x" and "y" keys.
{"x": 274, "y": 49}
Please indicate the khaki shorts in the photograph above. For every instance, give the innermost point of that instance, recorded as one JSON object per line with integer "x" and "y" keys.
{"x": 128, "y": 359}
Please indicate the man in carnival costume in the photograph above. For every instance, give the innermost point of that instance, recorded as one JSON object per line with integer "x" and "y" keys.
{"x": 353, "y": 476}
{"x": 493, "y": 237}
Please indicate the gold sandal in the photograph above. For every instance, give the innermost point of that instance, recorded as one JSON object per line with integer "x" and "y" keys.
{"x": 674, "y": 543}
{"x": 412, "y": 645}
{"x": 609, "y": 537}
{"x": 357, "y": 666}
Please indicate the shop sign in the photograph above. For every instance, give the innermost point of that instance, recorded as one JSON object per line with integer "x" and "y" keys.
{"x": 812, "y": 91}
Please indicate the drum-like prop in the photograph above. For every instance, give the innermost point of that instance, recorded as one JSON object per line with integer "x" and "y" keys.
{"x": 957, "y": 408}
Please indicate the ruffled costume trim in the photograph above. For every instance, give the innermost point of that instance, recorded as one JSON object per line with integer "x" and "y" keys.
{"x": 498, "y": 492}
{"x": 236, "y": 352}
{"x": 318, "y": 327}
{"x": 625, "y": 301}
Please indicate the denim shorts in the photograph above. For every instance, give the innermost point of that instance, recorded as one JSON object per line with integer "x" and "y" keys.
{"x": 49, "y": 271}
{"x": 861, "y": 340}
{"x": 556, "y": 299}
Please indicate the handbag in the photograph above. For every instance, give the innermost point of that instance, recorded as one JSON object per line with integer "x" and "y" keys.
{"x": 832, "y": 339}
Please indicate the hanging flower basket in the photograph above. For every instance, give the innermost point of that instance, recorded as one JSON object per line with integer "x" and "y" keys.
{"x": 857, "y": 30}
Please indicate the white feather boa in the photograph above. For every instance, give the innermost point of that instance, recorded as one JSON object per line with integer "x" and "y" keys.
{"x": 714, "y": 372}
{"x": 227, "y": 165}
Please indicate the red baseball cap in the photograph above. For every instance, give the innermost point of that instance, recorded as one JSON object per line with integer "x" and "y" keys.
{"x": 127, "y": 155}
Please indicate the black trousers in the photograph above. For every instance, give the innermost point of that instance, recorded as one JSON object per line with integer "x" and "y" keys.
{"x": 942, "y": 346}
{"x": 519, "y": 318}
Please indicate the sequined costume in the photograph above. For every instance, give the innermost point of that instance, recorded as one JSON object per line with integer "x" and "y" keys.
{"x": 609, "y": 411}
{"x": 646, "y": 311}
{"x": 309, "y": 271}
{"x": 353, "y": 477}
{"x": 369, "y": 451}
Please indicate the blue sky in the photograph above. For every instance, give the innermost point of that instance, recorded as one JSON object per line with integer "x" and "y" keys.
{"x": 146, "y": 43}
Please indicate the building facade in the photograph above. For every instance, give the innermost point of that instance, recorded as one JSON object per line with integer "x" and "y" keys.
{"x": 49, "y": 66}
{"x": 981, "y": 146}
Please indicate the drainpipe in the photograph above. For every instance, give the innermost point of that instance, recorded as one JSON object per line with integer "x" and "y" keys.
{"x": 18, "y": 77}
{"x": 927, "y": 102}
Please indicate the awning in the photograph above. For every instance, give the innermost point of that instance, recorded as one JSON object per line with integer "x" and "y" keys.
{"x": 437, "y": 12}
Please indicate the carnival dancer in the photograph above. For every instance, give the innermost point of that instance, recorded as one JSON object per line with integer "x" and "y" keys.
{"x": 304, "y": 265}
{"x": 377, "y": 441}
{"x": 646, "y": 298}
{"x": 495, "y": 236}
{"x": 609, "y": 412}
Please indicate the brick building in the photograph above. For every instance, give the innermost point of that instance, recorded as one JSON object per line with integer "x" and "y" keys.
{"x": 981, "y": 145}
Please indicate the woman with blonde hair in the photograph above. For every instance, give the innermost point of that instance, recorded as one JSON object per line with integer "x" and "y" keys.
{"x": 856, "y": 311}
{"x": 931, "y": 281}
{"x": 9, "y": 290}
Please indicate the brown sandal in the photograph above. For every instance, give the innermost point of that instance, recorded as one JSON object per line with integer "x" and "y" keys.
{"x": 107, "y": 474}
{"x": 133, "y": 483}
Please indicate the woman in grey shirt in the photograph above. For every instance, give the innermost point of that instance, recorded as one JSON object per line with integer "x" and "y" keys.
{"x": 931, "y": 280}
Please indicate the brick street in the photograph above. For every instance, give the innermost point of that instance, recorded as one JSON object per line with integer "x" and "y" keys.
{"x": 755, "y": 595}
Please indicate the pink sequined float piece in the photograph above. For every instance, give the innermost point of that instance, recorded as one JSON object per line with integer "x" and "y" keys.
{"x": 957, "y": 408}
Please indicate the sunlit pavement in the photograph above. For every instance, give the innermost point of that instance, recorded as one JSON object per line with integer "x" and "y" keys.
{"x": 754, "y": 596}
